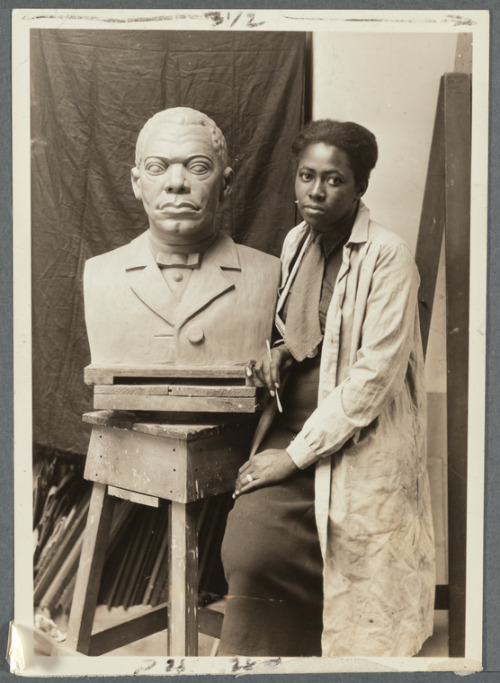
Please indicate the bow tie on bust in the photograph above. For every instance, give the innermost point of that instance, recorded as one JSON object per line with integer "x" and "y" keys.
{"x": 170, "y": 260}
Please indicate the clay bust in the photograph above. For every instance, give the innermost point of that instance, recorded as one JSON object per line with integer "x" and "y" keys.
{"x": 182, "y": 292}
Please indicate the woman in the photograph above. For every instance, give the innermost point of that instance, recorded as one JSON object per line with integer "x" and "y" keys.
{"x": 348, "y": 451}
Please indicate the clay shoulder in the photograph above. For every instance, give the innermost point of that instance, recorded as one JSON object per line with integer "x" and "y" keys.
{"x": 257, "y": 257}
{"x": 249, "y": 256}
{"x": 117, "y": 255}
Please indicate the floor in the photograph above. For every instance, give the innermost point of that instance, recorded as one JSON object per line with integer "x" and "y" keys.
{"x": 156, "y": 644}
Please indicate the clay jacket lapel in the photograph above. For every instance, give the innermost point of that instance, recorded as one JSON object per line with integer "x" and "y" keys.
{"x": 219, "y": 270}
{"x": 146, "y": 281}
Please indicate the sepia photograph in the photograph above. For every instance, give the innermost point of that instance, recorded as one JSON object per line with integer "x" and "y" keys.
{"x": 249, "y": 322}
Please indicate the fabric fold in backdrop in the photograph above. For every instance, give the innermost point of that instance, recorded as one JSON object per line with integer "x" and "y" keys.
{"x": 92, "y": 90}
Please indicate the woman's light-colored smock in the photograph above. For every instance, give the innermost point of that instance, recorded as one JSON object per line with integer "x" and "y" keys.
{"x": 368, "y": 438}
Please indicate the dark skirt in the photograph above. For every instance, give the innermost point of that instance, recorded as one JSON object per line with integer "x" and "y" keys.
{"x": 273, "y": 566}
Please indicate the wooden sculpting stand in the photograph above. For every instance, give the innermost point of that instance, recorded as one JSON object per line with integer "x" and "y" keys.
{"x": 146, "y": 462}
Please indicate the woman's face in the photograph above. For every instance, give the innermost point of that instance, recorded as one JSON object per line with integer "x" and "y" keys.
{"x": 325, "y": 187}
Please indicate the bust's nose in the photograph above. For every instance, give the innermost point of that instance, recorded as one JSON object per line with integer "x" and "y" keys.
{"x": 176, "y": 180}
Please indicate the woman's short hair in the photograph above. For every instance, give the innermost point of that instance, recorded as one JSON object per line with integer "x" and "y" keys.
{"x": 183, "y": 116}
{"x": 358, "y": 143}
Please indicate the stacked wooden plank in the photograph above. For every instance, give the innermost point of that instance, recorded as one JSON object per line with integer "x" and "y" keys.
{"x": 135, "y": 571}
{"x": 178, "y": 389}
{"x": 61, "y": 500}
{"x": 136, "y": 567}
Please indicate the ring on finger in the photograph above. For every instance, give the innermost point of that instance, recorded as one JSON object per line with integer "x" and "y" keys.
{"x": 249, "y": 478}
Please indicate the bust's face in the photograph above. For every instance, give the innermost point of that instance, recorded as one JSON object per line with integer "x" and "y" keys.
{"x": 181, "y": 183}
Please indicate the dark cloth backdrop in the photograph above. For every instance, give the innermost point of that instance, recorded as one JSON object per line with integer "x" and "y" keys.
{"x": 92, "y": 91}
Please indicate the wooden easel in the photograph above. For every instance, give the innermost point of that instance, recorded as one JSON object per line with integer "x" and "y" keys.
{"x": 446, "y": 212}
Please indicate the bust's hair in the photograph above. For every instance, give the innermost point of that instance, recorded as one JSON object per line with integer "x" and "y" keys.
{"x": 358, "y": 143}
{"x": 183, "y": 116}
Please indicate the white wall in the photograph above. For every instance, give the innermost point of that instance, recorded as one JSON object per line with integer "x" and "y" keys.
{"x": 389, "y": 83}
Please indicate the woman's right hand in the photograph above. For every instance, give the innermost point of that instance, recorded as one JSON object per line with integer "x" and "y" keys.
{"x": 267, "y": 371}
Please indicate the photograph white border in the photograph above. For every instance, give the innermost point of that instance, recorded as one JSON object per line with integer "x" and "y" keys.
{"x": 475, "y": 22}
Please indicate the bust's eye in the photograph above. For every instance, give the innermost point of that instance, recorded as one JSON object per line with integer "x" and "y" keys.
{"x": 199, "y": 167}
{"x": 155, "y": 167}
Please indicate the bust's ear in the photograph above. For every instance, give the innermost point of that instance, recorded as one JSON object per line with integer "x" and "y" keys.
{"x": 136, "y": 182}
{"x": 227, "y": 183}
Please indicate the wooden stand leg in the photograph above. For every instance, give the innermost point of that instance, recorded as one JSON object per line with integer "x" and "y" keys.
{"x": 183, "y": 580}
{"x": 90, "y": 569}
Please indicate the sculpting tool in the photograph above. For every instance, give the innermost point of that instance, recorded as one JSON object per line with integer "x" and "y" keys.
{"x": 278, "y": 402}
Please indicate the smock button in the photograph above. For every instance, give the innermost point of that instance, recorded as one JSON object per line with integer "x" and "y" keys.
{"x": 195, "y": 334}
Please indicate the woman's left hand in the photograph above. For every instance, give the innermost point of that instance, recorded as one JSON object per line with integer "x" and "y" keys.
{"x": 267, "y": 467}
